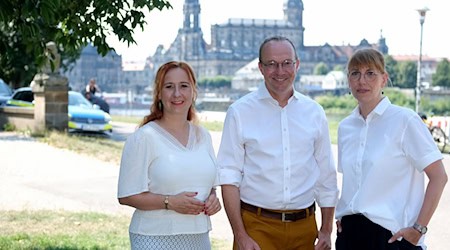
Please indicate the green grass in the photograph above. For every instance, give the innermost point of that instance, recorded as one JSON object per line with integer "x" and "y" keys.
{"x": 211, "y": 126}
{"x": 62, "y": 230}
{"x": 128, "y": 119}
{"x": 99, "y": 147}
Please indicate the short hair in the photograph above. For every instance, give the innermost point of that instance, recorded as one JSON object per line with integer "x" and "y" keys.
{"x": 367, "y": 57}
{"x": 277, "y": 39}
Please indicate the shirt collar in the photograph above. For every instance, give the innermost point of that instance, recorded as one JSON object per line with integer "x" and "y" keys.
{"x": 379, "y": 109}
{"x": 263, "y": 93}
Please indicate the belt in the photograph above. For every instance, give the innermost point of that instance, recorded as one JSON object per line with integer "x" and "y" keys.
{"x": 283, "y": 216}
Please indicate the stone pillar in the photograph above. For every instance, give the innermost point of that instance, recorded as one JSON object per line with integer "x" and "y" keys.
{"x": 50, "y": 95}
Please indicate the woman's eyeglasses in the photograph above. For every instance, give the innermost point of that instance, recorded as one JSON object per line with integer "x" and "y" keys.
{"x": 369, "y": 76}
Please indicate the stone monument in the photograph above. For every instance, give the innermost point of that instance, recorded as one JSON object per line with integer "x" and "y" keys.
{"x": 50, "y": 90}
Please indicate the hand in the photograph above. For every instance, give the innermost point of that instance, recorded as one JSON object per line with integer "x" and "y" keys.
{"x": 409, "y": 234}
{"x": 246, "y": 243}
{"x": 338, "y": 226}
{"x": 185, "y": 203}
{"x": 324, "y": 241}
{"x": 212, "y": 205}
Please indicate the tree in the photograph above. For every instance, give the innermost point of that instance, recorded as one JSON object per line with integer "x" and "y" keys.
{"x": 339, "y": 67}
{"x": 442, "y": 75}
{"x": 391, "y": 67}
{"x": 215, "y": 82}
{"x": 406, "y": 75}
{"x": 27, "y": 25}
{"x": 321, "y": 69}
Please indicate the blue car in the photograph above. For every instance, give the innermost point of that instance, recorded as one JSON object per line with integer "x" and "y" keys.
{"x": 83, "y": 116}
{"x": 5, "y": 92}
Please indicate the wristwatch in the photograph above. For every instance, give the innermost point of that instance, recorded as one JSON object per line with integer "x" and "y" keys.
{"x": 166, "y": 202}
{"x": 421, "y": 229}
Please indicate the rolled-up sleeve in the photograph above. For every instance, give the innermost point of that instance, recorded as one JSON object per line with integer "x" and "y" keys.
{"x": 230, "y": 157}
{"x": 418, "y": 144}
{"x": 326, "y": 190}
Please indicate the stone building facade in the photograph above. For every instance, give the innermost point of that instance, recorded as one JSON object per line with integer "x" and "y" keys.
{"x": 106, "y": 70}
{"x": 236, "y": 42}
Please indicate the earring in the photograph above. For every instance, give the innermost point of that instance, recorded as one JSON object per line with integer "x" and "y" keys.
{"x": 350, "y": 93}
{"x": 160, "y": 106}
{"x": 382, "y": 92}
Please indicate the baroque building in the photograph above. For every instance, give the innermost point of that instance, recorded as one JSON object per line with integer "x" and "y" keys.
{"x": 106, "y": 70}
{"x": 236, "y": 43}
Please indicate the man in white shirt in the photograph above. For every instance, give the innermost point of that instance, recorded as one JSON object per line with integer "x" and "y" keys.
{"x": 275, "y": 161}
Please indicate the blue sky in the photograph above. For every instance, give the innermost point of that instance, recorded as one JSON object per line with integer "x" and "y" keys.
{"x": 325, "y": 21}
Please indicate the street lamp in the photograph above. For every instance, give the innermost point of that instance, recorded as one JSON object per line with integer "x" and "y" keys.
{"x": 422, "y": 13}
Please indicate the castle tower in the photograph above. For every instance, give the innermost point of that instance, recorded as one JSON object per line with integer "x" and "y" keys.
{"x": 191, "y": 11}
{"x": 192, "y": 44}
{"x": 293, "y": 13}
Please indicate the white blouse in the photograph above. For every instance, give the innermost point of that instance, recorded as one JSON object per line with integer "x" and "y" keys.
{"x": 153, "y": 160}
{"x": 382, "y": 160}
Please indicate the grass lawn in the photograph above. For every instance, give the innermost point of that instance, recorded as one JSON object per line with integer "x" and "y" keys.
{"x": 59, "y": 230}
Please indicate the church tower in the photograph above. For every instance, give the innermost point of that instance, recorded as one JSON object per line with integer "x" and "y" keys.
{"x": 192, "y": 44}
{"x": 293, "y": 13}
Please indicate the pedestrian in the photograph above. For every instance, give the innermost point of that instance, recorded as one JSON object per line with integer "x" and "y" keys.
{"x": 275, "y": 160}
{"x": 92, "y": 87}
{"x": 168, "y": 168}
{"x": 383, "y": 152}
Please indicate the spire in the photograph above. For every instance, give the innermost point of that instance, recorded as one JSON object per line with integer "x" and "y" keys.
{"x": 191, "y": 11}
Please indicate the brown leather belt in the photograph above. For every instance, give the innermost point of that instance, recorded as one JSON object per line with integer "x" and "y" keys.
{"x": 290, "y": 216}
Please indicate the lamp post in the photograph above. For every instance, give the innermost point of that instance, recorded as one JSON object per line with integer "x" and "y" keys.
{"x": 422, "y": 13}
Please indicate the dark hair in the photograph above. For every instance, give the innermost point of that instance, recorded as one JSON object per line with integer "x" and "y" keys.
{"x": 278, "y": 39}
{"x": 156, "y": 109}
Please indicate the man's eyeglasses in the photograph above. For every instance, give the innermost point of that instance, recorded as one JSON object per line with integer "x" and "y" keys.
{"x": 272, "y": 65}
{"x": 369, "y": 75}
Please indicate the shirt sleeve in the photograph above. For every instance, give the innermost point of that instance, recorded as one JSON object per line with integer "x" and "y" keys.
{"x": 326, "y": 190}
{"x": 136, "y": 158}
{"x": 418, "y": 144}
{"x": 231, "y": 151}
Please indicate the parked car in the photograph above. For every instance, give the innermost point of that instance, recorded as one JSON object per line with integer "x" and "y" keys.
{"x": 82, "y": 114}
{"x": 5, "y": 92}
{"x": 97, "y": 100}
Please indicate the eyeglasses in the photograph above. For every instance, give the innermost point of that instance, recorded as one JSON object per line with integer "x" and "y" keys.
{"x": 369, "y": 76}
{"x": 272, "y": 65}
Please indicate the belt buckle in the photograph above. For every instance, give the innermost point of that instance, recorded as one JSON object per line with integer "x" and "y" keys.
{"x": 283, "y": 218}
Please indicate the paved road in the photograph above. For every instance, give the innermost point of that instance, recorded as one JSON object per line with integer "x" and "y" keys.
{"x": 52, "y": 178}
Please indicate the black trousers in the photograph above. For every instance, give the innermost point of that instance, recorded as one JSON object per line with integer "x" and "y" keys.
{"x": 359, "y": 233}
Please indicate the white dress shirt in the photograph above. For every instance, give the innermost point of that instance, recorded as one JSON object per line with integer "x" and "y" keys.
{"x": 153, "y": 160}
{"x": 382, "y": 160}
{"x": 280, "y": 158}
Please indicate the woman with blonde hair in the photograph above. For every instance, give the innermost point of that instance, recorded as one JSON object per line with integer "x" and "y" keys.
{"x": 384, "y": 152}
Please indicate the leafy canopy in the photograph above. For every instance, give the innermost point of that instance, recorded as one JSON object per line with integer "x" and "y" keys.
{"x": 27, "y": 25}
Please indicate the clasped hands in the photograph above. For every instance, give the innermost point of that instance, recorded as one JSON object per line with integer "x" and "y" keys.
{"x": 186, "y": 203}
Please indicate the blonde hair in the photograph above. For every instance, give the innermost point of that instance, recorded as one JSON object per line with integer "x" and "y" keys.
{"x": 369, "y": 57}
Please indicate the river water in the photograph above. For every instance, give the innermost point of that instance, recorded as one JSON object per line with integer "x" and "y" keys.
{"x": 203, "y": 115}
